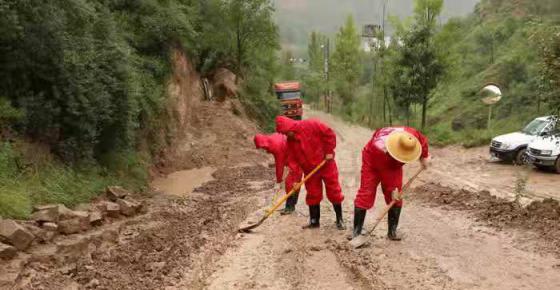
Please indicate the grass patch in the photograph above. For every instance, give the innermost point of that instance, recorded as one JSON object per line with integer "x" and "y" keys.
{"x": 23, "y": 185}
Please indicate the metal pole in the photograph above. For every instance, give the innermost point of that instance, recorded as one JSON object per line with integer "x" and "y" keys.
{"x": 490, "y": 118}
{"x": 327, "y": 62}
{"x": 326, "y": 73}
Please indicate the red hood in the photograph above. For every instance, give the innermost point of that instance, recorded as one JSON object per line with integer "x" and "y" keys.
{"x": 285, "y": 124}
{"x": 261, "y": 141}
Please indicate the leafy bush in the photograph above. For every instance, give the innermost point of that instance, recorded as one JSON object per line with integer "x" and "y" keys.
{"x": 87, "y": 78}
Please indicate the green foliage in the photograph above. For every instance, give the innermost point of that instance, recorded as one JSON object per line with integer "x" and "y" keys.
{"x": 88, "y": 80}
{"x": 23, "y": 184}
{"x": 549, "y": 39}
{"x": 346, "y": 64}
{"x": 288, "y": 68}
{"x": 417, "y": 67}
{"x": 315, "y": 51}
{"x": 85, "y": 72}
{"x": 314, "y": 82}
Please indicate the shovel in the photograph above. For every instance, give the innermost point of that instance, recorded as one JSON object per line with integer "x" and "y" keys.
{"x": 361, "y": 240}
{"x": 271, "y": 210}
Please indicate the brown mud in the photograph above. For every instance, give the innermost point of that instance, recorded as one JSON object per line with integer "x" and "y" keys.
{"x": 540, "y": 216}
{"x": 458, "y": 233}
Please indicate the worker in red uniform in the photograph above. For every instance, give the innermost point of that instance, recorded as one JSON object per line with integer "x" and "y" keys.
{"x": 277, "y": 145}
{"x": 309, "y": 143}
{"x": 382, "y": 160}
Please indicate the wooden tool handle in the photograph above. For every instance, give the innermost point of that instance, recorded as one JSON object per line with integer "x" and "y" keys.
{"x": 294, "y": 189}
{"x": 392, "y": 203}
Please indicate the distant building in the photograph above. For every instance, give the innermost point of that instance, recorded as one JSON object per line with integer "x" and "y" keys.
{"x": 369, "y": 44}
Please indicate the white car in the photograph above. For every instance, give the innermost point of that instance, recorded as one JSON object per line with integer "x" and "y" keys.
{"x": 512, "y": 146}
{"x": 544, "y": 152}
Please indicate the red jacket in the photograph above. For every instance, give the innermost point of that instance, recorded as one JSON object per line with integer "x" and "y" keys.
{"x": 313, "y": 140}
{"x": 277, "y": 145}
{"x": 377, "y": 141}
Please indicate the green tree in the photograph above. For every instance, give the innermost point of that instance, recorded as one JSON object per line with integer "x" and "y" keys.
{"x": 346, "y": 62}
{"x": 419, "y": 65}
{"x": 550, "y": 66}
{"x": 251, "y": 28}
{"x": 288, "y": 67}
{"x": 315, "y": 51}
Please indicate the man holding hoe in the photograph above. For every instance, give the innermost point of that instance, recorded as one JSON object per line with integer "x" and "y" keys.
{"x": 277, "y": 145}
{"x": 310, "y": 142}
{"x": 382, "y": 160}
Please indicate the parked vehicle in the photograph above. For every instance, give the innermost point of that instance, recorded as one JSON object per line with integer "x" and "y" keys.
{"x": 289, "y": 95}
{"x": 544, "y": 152}
{"x": 513, "y": 146}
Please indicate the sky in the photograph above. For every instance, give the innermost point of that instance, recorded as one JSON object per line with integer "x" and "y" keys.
{"x": 297, "y": 18}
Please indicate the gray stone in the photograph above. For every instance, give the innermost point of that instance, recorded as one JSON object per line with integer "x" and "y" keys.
{"x": 41, "y": 234}
{"x": 50, "y": 227}
{"x": 15, "y": 234}
{"x": 70, "y": 226}
{"x": 51, "y": 213}
{"x": 128, "y": 207}
{"x": 65, "y": 213}
{"x": 83, "y": 207}
{"x": 95, "y": 218}
{"x": 113, "y": 209}
{"x": 44, "y": 207}
{"x": 83, "y": 217}
{"x": 7, "y": 252}
{"x": 45, "y": 215}
{"x": 115, "y": 193}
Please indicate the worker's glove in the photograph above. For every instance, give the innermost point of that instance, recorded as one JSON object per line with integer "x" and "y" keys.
{"x": 396, "y": 194}
{"x": 425, "y": 163}
{"x": 278, "y": 186}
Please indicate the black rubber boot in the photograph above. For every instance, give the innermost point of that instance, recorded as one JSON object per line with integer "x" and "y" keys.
{"x": 393, "y": 220}
{"x": 290, "y": 204}
{"x": 339, "y": 219}
{"x": 359, "y": 218}
{"x": 314, "y": 216}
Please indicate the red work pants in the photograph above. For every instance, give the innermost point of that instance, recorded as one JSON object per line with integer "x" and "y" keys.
{"x": 378, "y": 167}
{"x": 314, "y": 185}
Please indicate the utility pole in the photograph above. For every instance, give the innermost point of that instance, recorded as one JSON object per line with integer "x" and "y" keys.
{"x": 386, "y": 103}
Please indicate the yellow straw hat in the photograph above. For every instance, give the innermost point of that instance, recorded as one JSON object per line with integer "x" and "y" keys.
{"x": 403, "y": 146}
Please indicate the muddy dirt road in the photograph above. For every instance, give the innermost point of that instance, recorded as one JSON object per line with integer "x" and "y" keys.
{"x": 458, "y": 235}
{"x": 443, "y": 248}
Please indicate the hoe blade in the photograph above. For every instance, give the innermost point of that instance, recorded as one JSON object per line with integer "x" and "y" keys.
{"x": 359, "y": 241}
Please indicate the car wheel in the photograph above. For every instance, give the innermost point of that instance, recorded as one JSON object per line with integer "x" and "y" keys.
{"x": 520, "y": 157}
{"x": 557, "y": 165}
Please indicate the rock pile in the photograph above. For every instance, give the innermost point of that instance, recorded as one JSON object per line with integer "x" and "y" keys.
{"x": 48, "y": 221}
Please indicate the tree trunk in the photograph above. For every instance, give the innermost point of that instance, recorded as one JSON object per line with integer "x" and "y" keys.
{"x": 408, "y": 114}
{"x": 424, "y": 109}
{"x": 389, "y": 109}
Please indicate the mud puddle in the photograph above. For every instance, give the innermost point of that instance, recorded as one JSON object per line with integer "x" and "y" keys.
{"x": 183, "y": 182}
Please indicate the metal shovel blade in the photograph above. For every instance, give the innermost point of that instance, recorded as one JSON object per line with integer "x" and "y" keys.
{"x": 248, "y": 229}
{"x": 359, "y": 241}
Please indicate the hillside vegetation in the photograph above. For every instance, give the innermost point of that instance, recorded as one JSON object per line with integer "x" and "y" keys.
{"x": 441, "y": 68}
{"x": 298, "y": 18}
{"x": 83, "y": 86}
